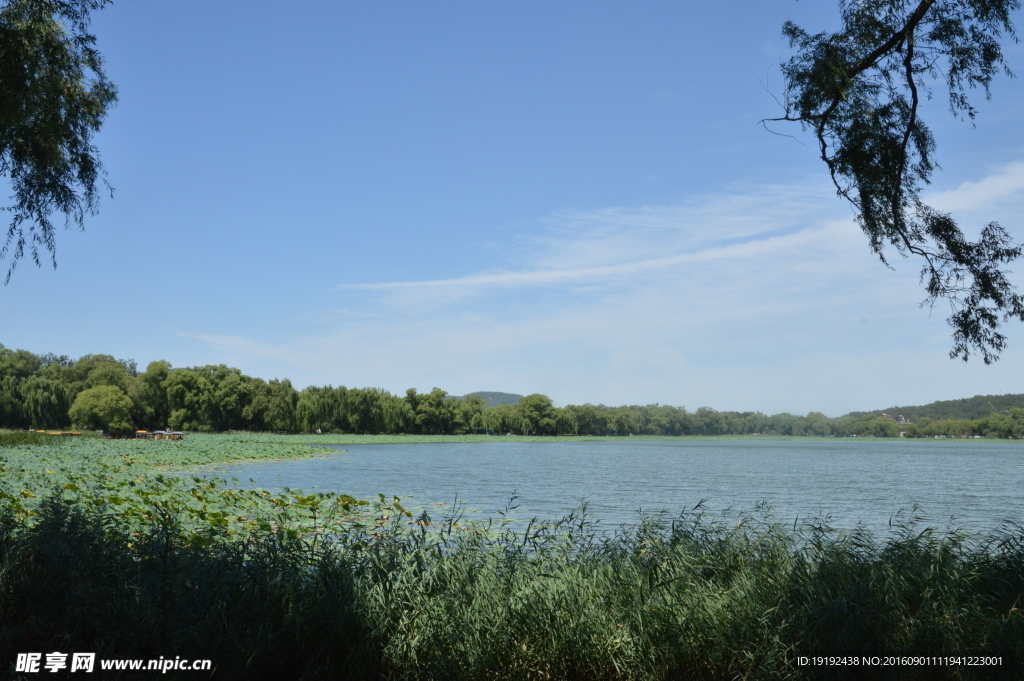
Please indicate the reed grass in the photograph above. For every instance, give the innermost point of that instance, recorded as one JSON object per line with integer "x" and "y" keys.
{"x": 17, "y": 438}
{"x": 690, "y": 597}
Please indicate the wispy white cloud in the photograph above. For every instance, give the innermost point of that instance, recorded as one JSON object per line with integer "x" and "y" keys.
{"x": 756, "y": 247}
{"x": 617, "y": 244}
{"x": 1005, "y": 185}
{"x": 760, "y": 298}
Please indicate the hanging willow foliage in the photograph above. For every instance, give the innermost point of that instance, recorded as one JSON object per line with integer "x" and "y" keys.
{"x": 859, "y": 91}
{"x": 55, "y": 96}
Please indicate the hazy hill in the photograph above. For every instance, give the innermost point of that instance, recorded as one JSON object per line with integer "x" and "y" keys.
{"x": 494, "y": 399}
{"x": 969, "y": 408}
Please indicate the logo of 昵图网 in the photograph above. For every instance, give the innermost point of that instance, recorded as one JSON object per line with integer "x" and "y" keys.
{"x": 55, "y": 662}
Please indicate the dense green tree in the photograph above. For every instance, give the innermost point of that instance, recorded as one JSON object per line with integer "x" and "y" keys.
{"x": 10, "y": 402}
{"x": 539, "y": 413}
{"x": 273, "y": 406}
{"x": 756, "y": 423}
{"x": 817, "y": 424}
{"x": 365, "y": 411}
{"x": 668, "y": 420}
{"x": 232, "y": 392}
{"x": 469, "y": 411}
{"x": 435, "y": 414}
{"x": 189, "y": 400}
{"x": 320, "y": 408}
{"x": 109, "y": 373}
{"x": 566, "y": 422}
{"x": 76, "y": 374}
{"x": 859, "y": 91}
{"x": 18, "y": 363}
{"x": 412, "y": 398}
{"x": 880, "y": 426}
{"x": 1003, "y": 425}
{"x": 396, "y": 415}
{"x": 614, "y": 423}
{"x": 573, "y": 419}
{"x": 55, "y": 96}
{"x": 149, "y": 398}
{"x": 710, "y": 422}
{"x": 105, "y": 407}
{"x": 506, "y": 418}
{"x": 45, "y": 403}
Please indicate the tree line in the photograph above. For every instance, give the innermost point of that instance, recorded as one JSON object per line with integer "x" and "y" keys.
{"x": 100, "y": 392}
{"x": 966, "y": 409}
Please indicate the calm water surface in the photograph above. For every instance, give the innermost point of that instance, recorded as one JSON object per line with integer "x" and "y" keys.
{"x": 864, "y": 482}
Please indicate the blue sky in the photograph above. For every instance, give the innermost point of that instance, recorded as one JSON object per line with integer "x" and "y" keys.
{"x": 571, "y": 198}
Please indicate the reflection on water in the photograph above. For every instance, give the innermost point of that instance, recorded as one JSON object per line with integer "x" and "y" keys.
{"x": 854, "y": 481}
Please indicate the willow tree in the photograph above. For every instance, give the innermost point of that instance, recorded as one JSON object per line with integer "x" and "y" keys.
{"x": 859, "y": 91}
{"x": 54, "y": 95}
{"x": 45, "y": 402}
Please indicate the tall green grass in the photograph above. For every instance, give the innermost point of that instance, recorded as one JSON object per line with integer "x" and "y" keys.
{"x": 17, "y": 438}
{"x": 683, "y": 598}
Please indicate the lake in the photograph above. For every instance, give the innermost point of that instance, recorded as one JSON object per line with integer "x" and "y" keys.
{"x": 855, "y": 481}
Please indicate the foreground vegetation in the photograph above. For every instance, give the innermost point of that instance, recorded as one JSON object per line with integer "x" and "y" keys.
{"x": 102, "y": 550}
{"x": 100, "y": 392}
{"x": 683, "y": 600}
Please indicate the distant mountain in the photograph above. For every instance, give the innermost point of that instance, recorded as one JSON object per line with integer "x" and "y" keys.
{"x": 494, "y": 399}
{"x": 969, "y": 408}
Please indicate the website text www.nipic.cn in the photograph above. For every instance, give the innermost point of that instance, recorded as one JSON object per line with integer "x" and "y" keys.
{"x": 33, "y": 663}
